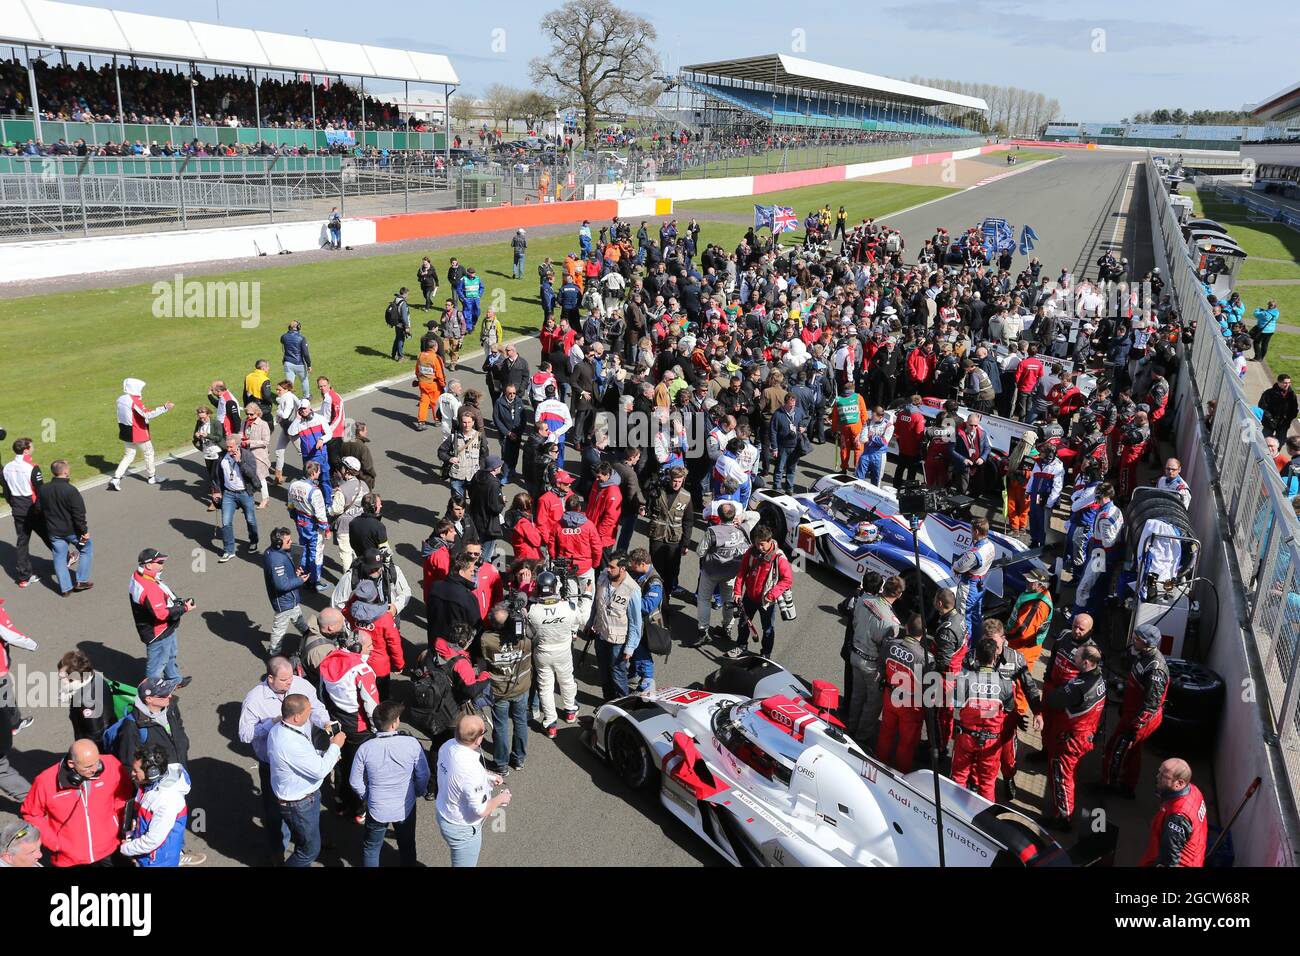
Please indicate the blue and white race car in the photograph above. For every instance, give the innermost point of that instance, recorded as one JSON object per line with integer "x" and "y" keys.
{"x": 853, "y": 526}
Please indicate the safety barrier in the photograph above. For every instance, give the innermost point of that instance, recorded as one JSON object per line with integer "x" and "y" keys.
{"x": 24, "y": 261}
{"x": 1252, "y": 528}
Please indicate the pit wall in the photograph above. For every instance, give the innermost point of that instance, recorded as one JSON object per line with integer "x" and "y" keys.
{"x": 54, "y": 258}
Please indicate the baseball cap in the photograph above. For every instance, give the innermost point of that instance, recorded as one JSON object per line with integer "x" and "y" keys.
{"x": 1034, "y": 576}
{"x": 150, "y": 554}
{"x": 304, "y": 403}
{"x": 372, "y": 561}
{"x": 563, "y": 478}
{"x": 156, "y": 687}
{"x": 1148, "y": 634}
{"x": 351, "y": 463}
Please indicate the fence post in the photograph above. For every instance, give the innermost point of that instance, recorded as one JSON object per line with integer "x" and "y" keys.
{"x": 180, "y": 191}
{"x": 81, "y": 190}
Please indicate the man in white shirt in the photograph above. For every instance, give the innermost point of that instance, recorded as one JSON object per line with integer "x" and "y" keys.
{"x": 464, "y": 788}
{"x": 297, "y": 771}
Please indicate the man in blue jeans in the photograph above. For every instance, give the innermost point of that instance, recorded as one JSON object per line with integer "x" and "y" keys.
{"x": 297, "y": 771}
{"x": 616, "y": 623}
{"x": 296, "y": 358}
{"x": 236, "y": 481}
{"x": 157, "y": 613}
{"x": 64, "y": 513}
{"x": 509, "y": 659}
{"x": 388, "y": 773}
{"x": 463, "y": 791}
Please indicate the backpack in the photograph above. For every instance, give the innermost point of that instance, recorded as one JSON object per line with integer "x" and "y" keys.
{"x": 392, "y": 317}
{"x": 433, "y": 706}
{"x": 658, "y": 638}
{"x": 115, "y": 730}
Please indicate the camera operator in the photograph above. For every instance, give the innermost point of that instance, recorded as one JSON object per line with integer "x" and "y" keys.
{"x": 552, "y": 623}
{"x": 508, "y": 653}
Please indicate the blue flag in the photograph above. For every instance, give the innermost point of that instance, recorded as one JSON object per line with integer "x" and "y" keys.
{"x": 1027, "y": 239}
{"x": 762, "y": 216}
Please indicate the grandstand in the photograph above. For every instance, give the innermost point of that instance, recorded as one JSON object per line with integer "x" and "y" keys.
{"x": 1167, "y": 136}
{"x": 764, "y": 95}
{"x": 208, "y": 85}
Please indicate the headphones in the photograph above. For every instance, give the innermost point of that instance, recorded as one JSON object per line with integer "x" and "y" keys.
{"x": 77, "y": 778}
{"x": 153, "y": 761}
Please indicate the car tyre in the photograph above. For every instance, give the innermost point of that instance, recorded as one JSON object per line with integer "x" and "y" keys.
{"x": 630, "y": 756}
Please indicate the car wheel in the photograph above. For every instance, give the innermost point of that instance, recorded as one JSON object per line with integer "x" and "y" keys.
{"x": 630, "y": 756}
{"x": 1193, "y": 706}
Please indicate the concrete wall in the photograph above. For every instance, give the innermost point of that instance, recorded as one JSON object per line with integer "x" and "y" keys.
{"x": 62, "y": 257}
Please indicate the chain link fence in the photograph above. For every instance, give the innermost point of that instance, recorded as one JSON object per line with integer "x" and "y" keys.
{"x": 1260, "y": 520}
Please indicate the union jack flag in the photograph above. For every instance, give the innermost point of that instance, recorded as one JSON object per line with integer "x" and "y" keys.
{"x": 784, "y": 220}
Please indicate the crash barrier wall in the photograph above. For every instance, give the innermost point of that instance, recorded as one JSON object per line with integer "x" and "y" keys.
{"x": 49, "y": 259}
{"x": 22, "y": 261}
{"x": 725, "y": 188}
{"x": 1251, "y": 552}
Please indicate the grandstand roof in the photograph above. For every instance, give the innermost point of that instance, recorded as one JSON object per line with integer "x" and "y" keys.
{"x": 782, "y": 70}
{"x": 66, "y": 26}
{"x": 1285, "y": 104}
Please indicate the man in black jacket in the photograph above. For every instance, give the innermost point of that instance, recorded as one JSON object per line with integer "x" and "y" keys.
{"x": 582, "y": 392}
{"x": 359, "y": 448}
{"x": 366, "y": 531}
{"x": 508, "y": 417}
{"x": 65, "y": 520}
{"x": 1279, "y": 406}
{"x": 486, "y": 503}
{"x": 513, "y": 370}
{"x": 155, "y": 719}
{"x": 452, "y": 600}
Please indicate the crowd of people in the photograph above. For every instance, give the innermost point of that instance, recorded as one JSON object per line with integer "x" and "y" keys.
{"x": 675, "y": 378}
{"x": 80, "y": 93}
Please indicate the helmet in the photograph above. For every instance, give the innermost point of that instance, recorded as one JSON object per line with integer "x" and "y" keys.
{"x": 866, "y": 533}
{"x": 548, "y": 585}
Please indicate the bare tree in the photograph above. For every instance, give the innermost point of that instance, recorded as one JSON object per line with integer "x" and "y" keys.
{"x": 534, "y": 107}
{"x": 600, "y": 56}
{"x": 464, "y": 108}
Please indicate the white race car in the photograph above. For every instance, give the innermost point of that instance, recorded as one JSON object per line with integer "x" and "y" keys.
{"x": 854, "y": 526}
{"x": 767, "y": 778}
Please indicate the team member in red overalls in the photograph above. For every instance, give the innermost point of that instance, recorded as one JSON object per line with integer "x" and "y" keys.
{"x": 1141, "y": 712}
{"x": 1061, "y": 667}
{"x": 904, "y": 665}
{"x": 1076, "y": 709}
{"x": 983, "y": 702}
{"x": 1178, "y": 832}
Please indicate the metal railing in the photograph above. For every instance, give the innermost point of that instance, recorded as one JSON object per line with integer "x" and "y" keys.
{"x": 1260, "y": 521}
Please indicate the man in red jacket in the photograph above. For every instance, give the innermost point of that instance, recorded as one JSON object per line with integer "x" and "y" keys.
{"x": 550, "y": 508}
{"x": 77, "y": 805}
{"x": 764, "y": 576}
{"x": 1028, "y": 372}
{"x": 606, "y": 505}
{"x": 578, "y": 540}
{"x": 909, "y": 434}
{"x": 437, "y": 563}
{"x": 1178, "y": 831}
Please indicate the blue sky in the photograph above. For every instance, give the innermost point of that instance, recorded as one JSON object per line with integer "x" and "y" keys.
{"x": 1191, "y": 54}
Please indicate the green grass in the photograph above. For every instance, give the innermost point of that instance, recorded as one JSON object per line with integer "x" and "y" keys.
{"x": 67, "y": 353}
{"x": 1258, "y": 269}
{"x": 790, "y": 160}
{"x": 1269, "y": 240}
{"x": 860, "y": 199}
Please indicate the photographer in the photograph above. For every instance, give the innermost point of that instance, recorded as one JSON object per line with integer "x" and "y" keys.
{"x": 157, "y": 612}
{"x": 552, "y": 623}
{"x": 508, "y": 654}
{"x": 452, "y": 600}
